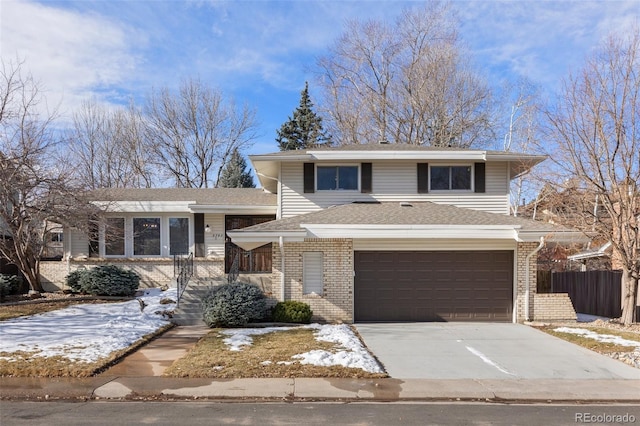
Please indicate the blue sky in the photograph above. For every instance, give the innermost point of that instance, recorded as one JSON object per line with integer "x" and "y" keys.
{"x": 261, "y": 52}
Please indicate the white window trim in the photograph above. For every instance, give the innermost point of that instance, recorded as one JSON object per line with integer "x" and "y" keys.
{"x": 306, "y": 258}
{"x": 166, "y": 248}
{"x": 442, "y": 191}
{"x": 356, "y": 165}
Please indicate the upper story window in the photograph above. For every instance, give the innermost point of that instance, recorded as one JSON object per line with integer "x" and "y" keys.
{"x": 450, "y": 178}
{"x": 337, "y": 178}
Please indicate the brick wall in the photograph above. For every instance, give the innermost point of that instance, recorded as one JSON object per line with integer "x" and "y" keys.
{"x": 524, "y": 249}
{"x": 553, "y": 306}
{"x": 153, "y": 272}
{"x": 336, "y": 302}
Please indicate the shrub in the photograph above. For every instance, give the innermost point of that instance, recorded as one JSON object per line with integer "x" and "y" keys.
{"x": 292, "y": 311}
{"x": 233, "y": 305}
{"x": 73, "y": 280}
{"x": 108, "y": 280}
{"x": 9, "y": 284}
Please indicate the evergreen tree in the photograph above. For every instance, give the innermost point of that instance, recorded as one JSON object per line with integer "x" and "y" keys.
{"x": 235, "y": 173}
{"x": 303, "y": 130}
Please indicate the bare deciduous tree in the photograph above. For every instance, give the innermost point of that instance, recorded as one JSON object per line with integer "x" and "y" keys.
{"x": 108, "y": 148}
{"x": 194, "y": 132}
{"x": 596, "y": 124}
{"x": 521, "y": 135}
{"x": 410, "y": 82}
{"x": 35, "y": 189}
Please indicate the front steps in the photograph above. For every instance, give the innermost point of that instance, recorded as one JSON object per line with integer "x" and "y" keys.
{"x": 189, "y": 311}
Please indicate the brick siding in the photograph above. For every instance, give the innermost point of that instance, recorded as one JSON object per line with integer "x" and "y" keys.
{"x": 553, "y": 306}
{"x": 524, "y": 249}
{"x": 336, "y": 302}
{"x": 153, "y": 272}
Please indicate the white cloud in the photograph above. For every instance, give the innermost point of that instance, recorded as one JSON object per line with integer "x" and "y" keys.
{"x": 542, "y": 40}
{"x": 73, "y": 55}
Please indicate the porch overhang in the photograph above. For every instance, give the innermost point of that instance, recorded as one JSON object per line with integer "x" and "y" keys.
{"x": 252, "y": 240}
{"x": 233, "y": 209}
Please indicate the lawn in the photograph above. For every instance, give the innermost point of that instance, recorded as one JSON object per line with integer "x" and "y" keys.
{"x": 284, "y": 352}
{"x": 598, "y": 340}
{"x": 27, "y": 309}
{"x": 80, "y": 339}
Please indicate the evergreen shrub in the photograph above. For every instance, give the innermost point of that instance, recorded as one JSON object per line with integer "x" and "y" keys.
{"x": 9, "y": 284}
{"x": 292, "y": 311}
{"x": 233, "y": 305}
{"x": 106, "y": 280}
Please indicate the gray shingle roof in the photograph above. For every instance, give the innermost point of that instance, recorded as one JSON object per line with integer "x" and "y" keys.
{"x": 202, "y": 196}
{"x": 419, "y": 213}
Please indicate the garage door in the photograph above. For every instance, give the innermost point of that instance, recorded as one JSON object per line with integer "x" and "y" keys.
{"x": 433, "y": 286}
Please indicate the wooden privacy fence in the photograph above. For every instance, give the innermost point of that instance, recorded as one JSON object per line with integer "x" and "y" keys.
{"x": 592, "y": 292}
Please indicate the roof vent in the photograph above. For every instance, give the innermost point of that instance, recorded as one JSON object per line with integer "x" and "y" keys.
{"x": 405, "y": 204}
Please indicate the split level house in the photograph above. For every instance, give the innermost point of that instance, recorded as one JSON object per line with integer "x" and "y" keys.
{"x": 380, "y": 232}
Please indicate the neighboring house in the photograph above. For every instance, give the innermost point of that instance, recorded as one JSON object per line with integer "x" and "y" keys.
{"x": 361, "y": 233}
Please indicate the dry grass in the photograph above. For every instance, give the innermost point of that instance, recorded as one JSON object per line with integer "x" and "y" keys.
{"x": 594, "y": 345}
{"x": 211, "y": 358}
{"x": 29, "y": 364}
{"x": 26, "y": 309}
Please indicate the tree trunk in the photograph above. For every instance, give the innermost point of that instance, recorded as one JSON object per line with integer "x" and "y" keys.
{"x": 629, "y": 297}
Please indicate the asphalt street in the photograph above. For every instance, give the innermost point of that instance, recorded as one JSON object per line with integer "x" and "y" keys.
{"x": 233, "y": 413}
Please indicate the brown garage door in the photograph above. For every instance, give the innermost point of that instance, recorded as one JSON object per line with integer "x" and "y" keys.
{"x": 433, "y": 286}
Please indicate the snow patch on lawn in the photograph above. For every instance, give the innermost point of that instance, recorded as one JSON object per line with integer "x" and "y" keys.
{"x": 239, "y": 337}
{"x": 352, "y": 354}
{"x": 85, "y": 332}
{"x": 605, "y": 338}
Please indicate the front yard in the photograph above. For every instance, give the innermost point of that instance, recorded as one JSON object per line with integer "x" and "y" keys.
{"x": 71, "y": 339}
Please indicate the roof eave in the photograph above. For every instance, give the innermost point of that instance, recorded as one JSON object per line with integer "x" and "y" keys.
{"x": 553, "y": 236}
{"x": 233, "y": 209}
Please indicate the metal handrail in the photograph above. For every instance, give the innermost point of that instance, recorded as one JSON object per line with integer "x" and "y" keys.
{"x": 184, "y": 268}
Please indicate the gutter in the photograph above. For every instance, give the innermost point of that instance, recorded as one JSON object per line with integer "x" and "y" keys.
{"x": 528, "y": 279}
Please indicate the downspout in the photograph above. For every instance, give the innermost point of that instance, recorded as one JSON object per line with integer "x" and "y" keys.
{"x": 528, "y": 279}
{"x": 282, "y": 281}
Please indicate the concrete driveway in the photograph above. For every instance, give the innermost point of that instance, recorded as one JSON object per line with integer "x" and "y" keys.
{"x": 484, "y": 351}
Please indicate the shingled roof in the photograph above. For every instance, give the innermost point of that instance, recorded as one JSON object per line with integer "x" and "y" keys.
{"x": 201, "y": 196}
{"x": 415, "y": 213}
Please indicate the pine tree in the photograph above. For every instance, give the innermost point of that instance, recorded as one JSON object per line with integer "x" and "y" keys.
{"x": 235, "y": 173}
{"x": 303, "y": 130}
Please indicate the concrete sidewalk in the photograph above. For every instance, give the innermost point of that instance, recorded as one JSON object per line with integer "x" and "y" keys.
{"x": 139, "y": 376}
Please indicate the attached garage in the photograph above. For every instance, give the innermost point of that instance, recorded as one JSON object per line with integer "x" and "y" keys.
{"x": 433, "y": 286}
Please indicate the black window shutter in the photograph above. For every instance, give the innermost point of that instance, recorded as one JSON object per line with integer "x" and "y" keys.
{"x": 479, "y": 179}
{"x": 423, "y": 178}
{"x": 365, "y": 178}
{"x": 309, "y": 178}
{"x": 198, "y": 226}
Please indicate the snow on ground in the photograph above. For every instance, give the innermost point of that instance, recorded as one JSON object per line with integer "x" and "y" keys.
{"x": 352, "y": 353}
{"x": 85, "y": 332}
{"x": 240, "y": 337}
{"x": 605, "y": 338}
